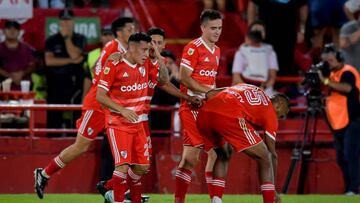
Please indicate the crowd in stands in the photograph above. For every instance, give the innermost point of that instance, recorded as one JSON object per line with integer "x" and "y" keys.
{"x": 284, "y": 38}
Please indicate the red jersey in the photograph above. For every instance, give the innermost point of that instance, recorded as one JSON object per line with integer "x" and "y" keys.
{"x": 248, "y": 102}
{"x": 127, "y": 85}
{"x": 203, "y": 62}
{"x": 110, "y": 48}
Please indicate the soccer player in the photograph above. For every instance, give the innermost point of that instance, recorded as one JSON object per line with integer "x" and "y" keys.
{"x": 242, "y": 110}
{"x": 92, "y": 120}
{"x": 158, "y": 76}
{"x": 122, "y": 88}
{"x": 198, "y": 69}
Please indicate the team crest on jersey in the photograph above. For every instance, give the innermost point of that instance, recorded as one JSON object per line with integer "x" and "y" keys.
{"x": 90, "y": 131}
{"x": 142, "y": 71}
{"x": 123, "y": 154}
{"x": 106, "y": 70}
{"x": 190, "y": 51}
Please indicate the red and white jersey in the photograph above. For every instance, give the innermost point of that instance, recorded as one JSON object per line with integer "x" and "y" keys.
{"x": 127, "y": 85}
{"x": 245, "y": 101}
{"x": 110, "y": 48}
{"x": 203, "y": 61}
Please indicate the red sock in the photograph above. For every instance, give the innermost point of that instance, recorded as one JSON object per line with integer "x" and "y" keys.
{"x": 54, "y": 165}
{"x": 109, "y": 184}
{"x": 268, "y": 192}
{"x": 134, "y": 183}
{"x": 119, "y": 185}
{"x": 209, "y": 178}
{"x": 218, "y": 186}
{"x": 182, "y": 181}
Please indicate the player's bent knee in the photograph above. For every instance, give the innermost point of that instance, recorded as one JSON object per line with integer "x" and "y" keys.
{"x": 140, "y": 169}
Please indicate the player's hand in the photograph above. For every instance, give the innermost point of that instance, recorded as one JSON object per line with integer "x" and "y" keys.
{"x": 117, "y": 56}
{"x": 130, "y": 115}
{"x": 195, "y": 101}
{"x": 156, "y": 50}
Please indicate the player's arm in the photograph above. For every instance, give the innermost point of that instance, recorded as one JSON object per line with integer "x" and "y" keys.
{"x": 174, "y": 91}
{"x": 189, "y": 82}
{"x": 73, "y": 50}
{"x": 212, "y": 93}
{"x": 107, "y": 78}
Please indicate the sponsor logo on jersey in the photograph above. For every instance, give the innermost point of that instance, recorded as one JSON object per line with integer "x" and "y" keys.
{"x": 90, "y": 131}
{"x": 206, "y": 59}
{"x": 125, "y": 75}
{"x": 123, "y": 154}
{"x": 134, "y": 87}
{"x": 106, "y": 70}
{"x": 142, "y": 71}
{"x": 152, "y": 85}
{"x": 208, "y": 73}
{"x": 190, "y": 51}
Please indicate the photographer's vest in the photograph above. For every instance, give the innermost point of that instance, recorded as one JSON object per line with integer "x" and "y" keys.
{"x": 336, "y": 103}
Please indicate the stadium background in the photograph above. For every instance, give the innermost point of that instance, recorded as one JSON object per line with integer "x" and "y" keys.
{"x": 20, "y": 155}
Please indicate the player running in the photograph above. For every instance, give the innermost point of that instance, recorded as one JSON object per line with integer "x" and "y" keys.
{"x": 198, "y": 69}
{"x": 242, "y": 110}
{"x": 92, "y": 120}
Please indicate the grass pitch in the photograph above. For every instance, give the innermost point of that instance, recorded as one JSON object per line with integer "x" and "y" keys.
{"x": 158, "y": 198}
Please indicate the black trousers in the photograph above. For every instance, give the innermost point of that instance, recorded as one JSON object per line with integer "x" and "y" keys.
{"x": 347, "y": 146}
{"x": 106, "y": 161}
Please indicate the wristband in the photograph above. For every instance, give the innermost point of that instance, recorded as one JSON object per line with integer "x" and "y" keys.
{"x": 326, "y": 81}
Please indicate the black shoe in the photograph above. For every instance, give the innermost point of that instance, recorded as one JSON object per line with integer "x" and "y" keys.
{"x": 40, "y": 182}
{"x": 100, "y": 186}
{"x": 144, "y": 198}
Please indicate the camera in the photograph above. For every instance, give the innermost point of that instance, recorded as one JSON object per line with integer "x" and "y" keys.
{"x": 311, "y": 78}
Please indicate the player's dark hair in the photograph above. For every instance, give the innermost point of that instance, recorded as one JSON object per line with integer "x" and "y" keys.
{"x": 156, "y": 31}
{"x": 256, "y": 22}
{"x": 120, "y": 23}
{"x": 139, "y": 36}
{"x": 210, "y": 14}
{"x": 169, "y": 54}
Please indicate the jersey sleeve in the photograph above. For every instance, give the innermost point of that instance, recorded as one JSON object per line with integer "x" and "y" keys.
{"x": 189, "y": 57}
{"x": 270, "y": 125}
{"x": 107, "y": 76}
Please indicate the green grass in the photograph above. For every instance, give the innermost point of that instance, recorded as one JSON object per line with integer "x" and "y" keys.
{"x": 156, "y": 198}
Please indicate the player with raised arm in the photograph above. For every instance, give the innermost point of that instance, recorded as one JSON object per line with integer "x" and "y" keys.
{"x": 242, "y": 110}
{"x": 92, "y": 120}
{"x": 198, "y": 69}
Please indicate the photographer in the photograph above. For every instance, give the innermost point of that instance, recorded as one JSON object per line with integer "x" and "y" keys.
{"x": 343, "y": 112}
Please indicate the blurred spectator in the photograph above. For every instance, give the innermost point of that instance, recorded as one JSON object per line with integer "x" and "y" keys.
{"x": 93, "y": 56}
{"x": 281, "y": 18}
{"x": 350, "y": 42}
{"x": 64, "y": 58}
{"x": 161, "y": 120}
{"x": 351, "y": 7}
{"x": 255, "y": 62}
{"x": 17, "y": 60}
{"x": 215, "y": 4}
{"x": 323, "y": 15}
{"x": 50, "y": 3}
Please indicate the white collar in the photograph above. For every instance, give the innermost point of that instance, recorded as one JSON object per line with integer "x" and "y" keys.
{"x": 129, "y": 64}
{"x": 207, "y": 47}
{"x": 120, "y": 47}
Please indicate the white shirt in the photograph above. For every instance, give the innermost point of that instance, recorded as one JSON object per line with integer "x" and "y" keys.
{"x": 254, "y": 63}
{"x": 353, "y": 5}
